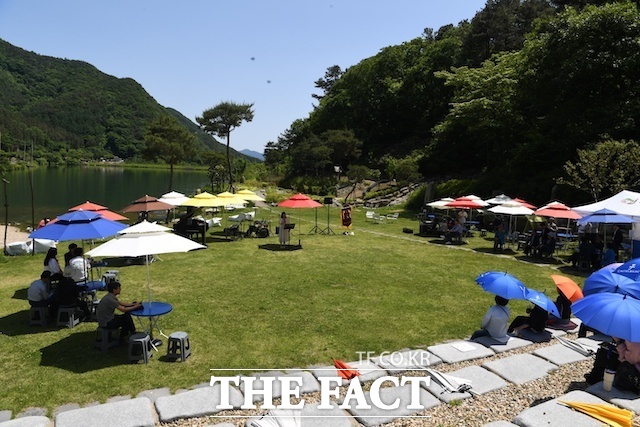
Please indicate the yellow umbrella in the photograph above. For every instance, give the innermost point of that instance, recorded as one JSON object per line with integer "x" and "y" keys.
{"x": 611, "y": 415}
{"x": 204, "y": 200}
{"x": 231, "y": 199}
{"x": 249, "y": 195}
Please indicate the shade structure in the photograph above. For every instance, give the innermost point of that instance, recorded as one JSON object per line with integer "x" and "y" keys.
{"x": 606, "y": 216}
{"x": 173, "y": 198}
{"x": 568, "y": 287}
{"x": 464, "y": 203}
{"x": 607, "y": 280}
{"x": 511, "y": 208}
{"x": 542, "y": 301}
{"x": 524, "y": 203}
{"x": 498, "y": 200}
{"x": 558, "y": 210}
{"x": 230, "y": 198}
{"x": 204, "y": 200}
{"x": 147, "y": 204}
{"x": 299, "y": 201}
{"x": 502, "y": 284}
{"x": 249, "y": 196}
{"x": 78, "y": 225}
{"x": 144, "y": 239}
{"x": 630, "y": 269}
{"x": 102, "y": 210}
{"x": 440, "y": 204}
{"x": 612, "y": 314}
{"x": 477, "y": 199}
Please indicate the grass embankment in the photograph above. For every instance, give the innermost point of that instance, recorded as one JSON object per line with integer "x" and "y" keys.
{"x": 245, "y": 307}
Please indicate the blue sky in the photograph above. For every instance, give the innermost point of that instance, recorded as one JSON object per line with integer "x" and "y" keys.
{"x": 192, "y": 54}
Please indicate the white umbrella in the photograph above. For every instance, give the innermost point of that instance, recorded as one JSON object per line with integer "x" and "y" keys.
{"x": 174, "y": 198}
{"x": 144, "y": 239}
{"x": 512, "y": 209}
{"x": 441, "y": 204}
{"x": 498, "y": 200}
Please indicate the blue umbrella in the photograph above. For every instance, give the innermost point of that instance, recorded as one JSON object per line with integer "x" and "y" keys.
{"x": 606, "y": 216}
{"x": 78, "y": 225}
{"x": 630, "y": 269}
{"x": 542, "y": 301}
{"x": 502, "y": 284}
{"x": 607, "y": 280}
{"x": 612, "y": 314}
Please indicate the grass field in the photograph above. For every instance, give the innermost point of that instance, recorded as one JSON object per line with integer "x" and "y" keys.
{"x": 246, "y": 307}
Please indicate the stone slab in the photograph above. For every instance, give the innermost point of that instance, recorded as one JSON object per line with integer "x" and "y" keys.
{"x": 450, "y": 354}
{"x": 327, "y": 371}
{"x": 559, "y": 354}
{"x": 623, "y": 399}
{"x": 5, "y": 415}
{"x": 498, "y": 347}
{"x": 482, "y": 381}
{"x": 28, "y": 421}
{"x": 33, "y": 412}
{"x": 406, "y": 360}
{"x": 536, "y": 337}
{"x": 309, "y": 383}
{"x": 520, "y": 368}
{"x": 500, "y": 424}
{"x": 154, "y": 394}
{"x": 376, "y": 416}
{"x": 195, "y": 403}
{"x": 368, "y": 370}
{"x": 590, "y": 343}
{"x": 64, "y": 408}
{"x": 125, "y": 413}
{"x": 553, "y": 414}
{"x": 334, "y": 417}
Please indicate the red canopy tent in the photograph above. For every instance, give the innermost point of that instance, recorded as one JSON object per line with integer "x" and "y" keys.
{"x": 464, "y": 203}
{"x": 299, "y": 201}
{"x": 558, "y": 210}
{"x": 524, "y": 203}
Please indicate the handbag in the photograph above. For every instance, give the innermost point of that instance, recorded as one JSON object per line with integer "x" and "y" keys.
{"x": 627, "y": 378}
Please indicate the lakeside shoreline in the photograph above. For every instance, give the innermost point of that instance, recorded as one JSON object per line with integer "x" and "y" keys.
{"x": 14, "y": 234}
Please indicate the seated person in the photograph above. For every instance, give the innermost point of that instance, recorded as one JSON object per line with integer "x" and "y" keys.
{"x": 547, "y": 246}
{"x": 106, "y": 312}
{"x": 39, "y": 294}
{"x": 536, "y": 321}
{"x": 628, "y": 372}
{"x": 494, "y": 323}
{"x": 606, "y": 358}
{"x": 78, "y": 268}
{"x": 585, "y": 253}
{"x": 69, "y": 296}
{"x": 454, "y": 233}
{"x": 498, "y": 239}
{"x": 563, "y": 304}
{"x": 609, "y": 256}
{"x": 534, "y": 245}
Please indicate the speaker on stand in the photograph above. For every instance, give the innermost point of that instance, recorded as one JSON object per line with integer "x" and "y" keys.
{"x": 328, "y": 201}
{"x": 316, "y": 229}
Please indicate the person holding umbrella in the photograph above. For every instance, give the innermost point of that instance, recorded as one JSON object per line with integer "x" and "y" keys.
{"x": 494, "y": 323}
{"x": 106, "y": 316}
{"x": 536, "y": 321}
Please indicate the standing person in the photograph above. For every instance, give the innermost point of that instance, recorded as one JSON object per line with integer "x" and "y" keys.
{"x": 494, "y": 323}
{"x": 283, "y": 233}
{"x": 462, "y": 216}
{"x": 106, "y": 316}
{"x": 69, "y": 255}
{"x": 499, "y": 238}
{"x": 51, "y": 264}
{"x": 616, "y": 240}
{"x": 39, "y": 294}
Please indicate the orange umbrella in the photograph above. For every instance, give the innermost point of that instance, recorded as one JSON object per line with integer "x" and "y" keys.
{"x": 99, "y": 209}
{"x": 568, "y": 287}
{"x": 344, "y": 370}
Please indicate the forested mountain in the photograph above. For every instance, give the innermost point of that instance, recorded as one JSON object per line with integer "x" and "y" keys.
{"x": 505, "y": 99}
{"x": 70, "y": 111}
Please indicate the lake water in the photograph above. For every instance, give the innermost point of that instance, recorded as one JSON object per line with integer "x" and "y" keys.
{"x": 55, "y": 190}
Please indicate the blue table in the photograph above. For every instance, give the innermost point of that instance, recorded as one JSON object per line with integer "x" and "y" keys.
{"x": 152, "y": 311}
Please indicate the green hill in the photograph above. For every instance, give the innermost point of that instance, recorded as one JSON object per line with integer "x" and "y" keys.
{"x": 71, "y": 111}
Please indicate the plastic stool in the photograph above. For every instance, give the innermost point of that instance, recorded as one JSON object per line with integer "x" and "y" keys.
{"x": 38, "y": 316}
{"x": 140, "y": 347}
{"x": 93, "y": 309}
{"x": 68, "y": 316}
{"x": 178, "y": 346}
{"x": 110, "y": 276}
{"x": 105, "y": 339}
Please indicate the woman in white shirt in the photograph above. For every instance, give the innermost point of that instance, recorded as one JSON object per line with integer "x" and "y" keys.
{"x": 51, "y": 263}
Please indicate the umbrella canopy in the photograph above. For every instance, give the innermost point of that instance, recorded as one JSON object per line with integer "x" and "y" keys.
{"x": 606, "y": 216}
{"x": 498, "y": 200}
{"x": 440, "y": 204}
{"x": 173, "y": 198}
{"x": 568, "y": 287}
{"x": 612, "y": 314}
{"x": 299, "y": 201}
{"x": 607, "y": 280}
{"x": 231, "y": 199}
{"x": 144, "y": 239}
{"x": 147, "y": 204}
{"x": 102, "y": 210}
{"x": 204, "y": 200}
{"x": 542, "y": 301}
{"x": 630, "y": 269}
{"x": 78, "y": 225}
{"x": 464, "y": 203}
{"x": 345, "y": 371}
{"x": 558, "y": 210}
{"x": 608, "y": 414}
{"x": 511, "y": 208}
{"x": 249, "y": 195}
{"x": 477, "y": 199}
{"x": 524, "y": 203}
{"x": 502, "y": 284}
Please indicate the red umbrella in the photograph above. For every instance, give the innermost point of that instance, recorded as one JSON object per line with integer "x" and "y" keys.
{"x": 345, "y": 371}
{"x": 147, "y": 204}
{"x": 102, "y": 210}
{"x": 464, "y": 203}
{"x": 299, "y": 201}
{"x": 524, "y": 203}
{"x": 558, "y": 210}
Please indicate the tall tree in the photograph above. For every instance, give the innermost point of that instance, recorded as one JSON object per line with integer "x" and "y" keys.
{"x": 221, "y": 120}
{"x": 170, "y": 142}
{"x": 331, "y": 76}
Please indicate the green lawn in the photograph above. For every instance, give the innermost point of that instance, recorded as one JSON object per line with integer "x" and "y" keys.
{"x": 246, "y": 307}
